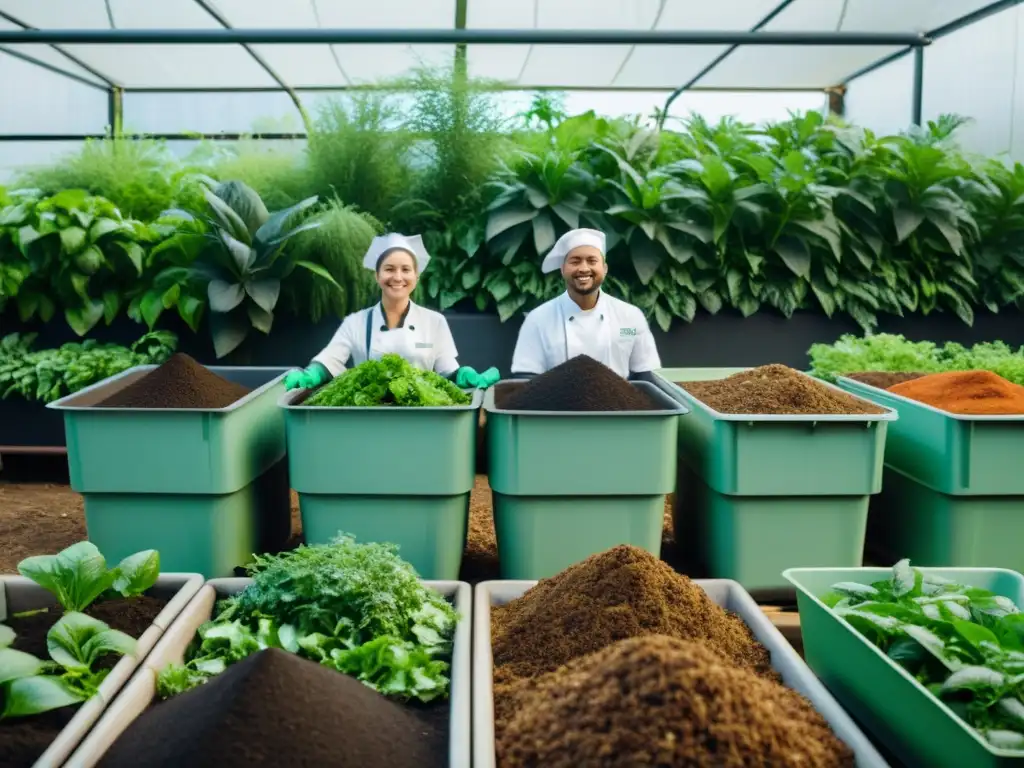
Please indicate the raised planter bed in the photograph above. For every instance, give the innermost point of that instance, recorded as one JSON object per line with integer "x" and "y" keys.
{"x": 726, "y": 593}
{"x": 553, "y": 506}
{"x": 917, "y": 727}
{"x": 140, "y": 692}
{"x": 401, "y": 475}
{"x": 207, "y": 487}
{"x": 953, "y": 493}
{"x": 69, "y": 726}
{"x": 761, "y": 493}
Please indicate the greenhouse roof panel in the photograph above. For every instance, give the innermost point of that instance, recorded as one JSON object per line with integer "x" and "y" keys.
{"x": 607, "y": 66}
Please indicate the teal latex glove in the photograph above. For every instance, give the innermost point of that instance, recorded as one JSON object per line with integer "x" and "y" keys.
{"x": 467, "y": 377}
{"x": 310, "y": 377}
{"x": 489, "y": 378}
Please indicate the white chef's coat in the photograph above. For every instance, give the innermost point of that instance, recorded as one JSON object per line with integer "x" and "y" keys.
{"x": 613, "y": 332}
{"x": 423, "y": 338}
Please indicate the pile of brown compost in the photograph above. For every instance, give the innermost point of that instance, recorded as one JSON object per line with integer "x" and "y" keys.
{"x": 775, "y": 389}
{"x": 579, "y": 384}
{"x": 179, "y": 383}
{"x": 660, "y": 701}
{"x": 884, "y": 379}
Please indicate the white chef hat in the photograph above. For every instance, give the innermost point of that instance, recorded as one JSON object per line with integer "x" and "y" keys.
{"x": 389, "y": 242}
{"x": 572, "y": 239}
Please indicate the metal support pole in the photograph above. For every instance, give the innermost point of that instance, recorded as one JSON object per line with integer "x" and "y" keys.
{"x": 918, "y": 92}
{"x": 115, "y": 111}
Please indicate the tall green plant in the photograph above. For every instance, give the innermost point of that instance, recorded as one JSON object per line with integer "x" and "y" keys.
{"x": 338, "y": 245}
{"x": 244, "y": 264}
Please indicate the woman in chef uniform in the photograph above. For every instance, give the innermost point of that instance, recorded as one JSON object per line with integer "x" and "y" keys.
{"x": 584, "y": 320}
{"x": 395, "y": 325}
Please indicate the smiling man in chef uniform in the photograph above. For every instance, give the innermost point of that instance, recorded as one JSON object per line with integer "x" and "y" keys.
{"x": 584, "y": 320}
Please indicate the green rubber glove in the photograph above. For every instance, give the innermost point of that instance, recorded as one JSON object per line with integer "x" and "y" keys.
{"x": 489, "y": 378}
{"x": 311, "y": 377}
{"x": 467, "y": 377}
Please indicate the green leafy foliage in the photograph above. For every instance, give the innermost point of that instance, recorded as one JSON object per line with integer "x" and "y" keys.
{"x": 49, "y": 374}
{"x": 78, "y": 575}
{"x": 390, "y": 381}
{"x": 805, "y": 214}
{"x": 338, "y": 246}
{"x": 890, "y": 352}
{"x": 357, "y": 608}
{"x": 244, "y": 264}
{"x": 31, "y": 686}
{"x": 964, "y": 644}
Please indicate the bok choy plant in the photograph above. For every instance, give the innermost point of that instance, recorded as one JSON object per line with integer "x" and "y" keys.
{"x": 78, "y": 575}
{"x": 31, "y": 686}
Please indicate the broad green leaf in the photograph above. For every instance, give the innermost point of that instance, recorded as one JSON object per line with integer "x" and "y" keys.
{"x": 67, "y": 638}
{"x": 224, "y": 297}
{"x": 264, "y": 292}
{"x": 903, "y": 578}
{"x": 15, "y": 215}
{"x": 646, "y": 258}
{"x": 1012, "y": 708}
{"x": 271, "y": 231}
{"x": 136, "y": 255}
{"x": 191, "y": 310}
{"x": 35, "y": 695}
{"x": 567, "y": 213}
{"x": 907, "y": 220}
{"x": 829, "y": 233}
{"x": 543, "y": 232}
{"x": 83, "y": 319}
{"x": 506, "y": 218}
{"x": 711, "y": 301}
{"x": 230, "y": 221}
{"x": 933, "y": 644}
{"x": 137, "y": 573}
{"x": 90, "y": 260}
{"x": 7, "y": 636}
{"x": 794, "y": 254}
{"x": 1004, "y": 739}
{"x": 17, "y": 664}
{"x": 1010, "y": 631}
{"x": 853, "y": 589}
{"x": 106, "y": 642}
{"x": 973, "y": 678}
{"x": 246, "y": 203}
{"x": 102, "y": 227}
{"x": 229, "y": 331}
{"x": 261, "y": 319}
{"x": 76, "y": 576}
{"x": 151, "y": 306}
{"x": 71, "y": 240}
{"x": 242, "y": 256}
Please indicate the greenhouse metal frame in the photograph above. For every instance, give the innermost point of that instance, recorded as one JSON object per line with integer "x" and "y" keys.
{"x": 67, "y": 51}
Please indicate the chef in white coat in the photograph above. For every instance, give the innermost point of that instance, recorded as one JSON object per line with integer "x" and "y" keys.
{"x": 584, "y": 320}
{"x": 395, "y": 325}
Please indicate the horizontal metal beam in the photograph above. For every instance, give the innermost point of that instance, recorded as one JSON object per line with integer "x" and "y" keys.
{"x": 47, "y": 137}
{"x": 496, "y": 88}
{"x": 454, "y": 36}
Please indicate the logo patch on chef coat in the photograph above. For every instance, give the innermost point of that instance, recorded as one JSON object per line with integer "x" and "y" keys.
{"x": 627, "y": 331}
{"x": 424, "y": 345}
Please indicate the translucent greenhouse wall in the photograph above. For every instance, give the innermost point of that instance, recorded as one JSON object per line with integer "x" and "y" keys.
{"x": 977, "y": 72}
{"x": 75, "y": 108}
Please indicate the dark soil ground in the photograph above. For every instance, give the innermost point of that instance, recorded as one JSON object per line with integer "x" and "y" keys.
{"x": 39, "y": 518}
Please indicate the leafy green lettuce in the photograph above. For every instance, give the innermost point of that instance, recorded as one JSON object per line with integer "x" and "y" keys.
{"x": 388, "y": 381}
{"x": 357, "y": 608}
{"x": 892, "y": 352}
{"x": 965, "y": 644}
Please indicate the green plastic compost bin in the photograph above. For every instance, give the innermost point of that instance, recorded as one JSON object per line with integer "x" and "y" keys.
{"x": 761, "y": 493}
{"x": 954, "y": 490}
{"x": 206, "y": 487}
{"x": 899, "y": 712}
{"x": 387, "y": 474}
{"x": 566, "y": 485}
